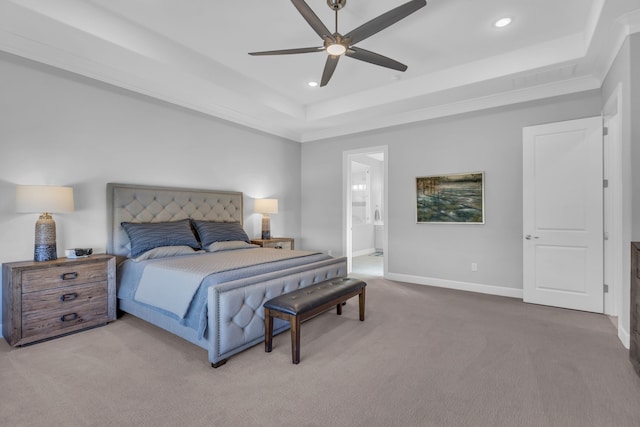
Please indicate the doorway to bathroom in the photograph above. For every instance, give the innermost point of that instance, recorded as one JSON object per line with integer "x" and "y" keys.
{"x": 365, "y": 186}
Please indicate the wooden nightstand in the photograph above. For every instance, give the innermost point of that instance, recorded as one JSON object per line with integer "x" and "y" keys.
{"x": 276, "y": 242}
{"x": 42, "y": 300}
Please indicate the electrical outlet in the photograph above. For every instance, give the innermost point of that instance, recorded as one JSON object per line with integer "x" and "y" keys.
{"x": 474, "y": 266}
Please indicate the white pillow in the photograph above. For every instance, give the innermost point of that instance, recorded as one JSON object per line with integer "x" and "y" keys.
{"x": 229, "y": 245}
{"x": 166, "y": 251}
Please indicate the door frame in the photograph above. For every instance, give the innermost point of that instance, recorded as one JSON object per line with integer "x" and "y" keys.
{"x": 614, "y": 302}
{"x": 347, "y": 223}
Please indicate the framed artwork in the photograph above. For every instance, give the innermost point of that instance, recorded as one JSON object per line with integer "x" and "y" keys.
{"x": 452, "y": 199}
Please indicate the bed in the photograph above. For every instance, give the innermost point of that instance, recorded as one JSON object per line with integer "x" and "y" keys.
{"x": 224, "y": 314}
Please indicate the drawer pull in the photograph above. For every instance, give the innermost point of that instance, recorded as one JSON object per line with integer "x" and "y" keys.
{"x": 69, "y": 297}
{"x": 69, "y": 276}
{"x": 69, "y": 317}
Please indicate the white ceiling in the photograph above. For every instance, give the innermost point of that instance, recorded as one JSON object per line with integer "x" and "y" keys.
{"x": 194, "y": 53}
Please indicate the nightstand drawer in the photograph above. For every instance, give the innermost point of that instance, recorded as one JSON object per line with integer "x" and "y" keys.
{"x": 278, "y": 245}
{"x": 63, "y": 298}
{"x": 66, "y": 319}
{"x": 55, "y": 277}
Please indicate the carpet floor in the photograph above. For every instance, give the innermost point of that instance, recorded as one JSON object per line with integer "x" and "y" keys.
{"x": 423, "y": 357}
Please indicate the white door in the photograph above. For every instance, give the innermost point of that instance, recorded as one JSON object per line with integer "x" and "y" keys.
{"x": 563, "y": 214}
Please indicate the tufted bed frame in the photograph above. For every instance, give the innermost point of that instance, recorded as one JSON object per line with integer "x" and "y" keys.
{"x": 227, "y": 332}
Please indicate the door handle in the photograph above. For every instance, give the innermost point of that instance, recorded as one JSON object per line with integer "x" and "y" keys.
{"x": 529, "y": 237}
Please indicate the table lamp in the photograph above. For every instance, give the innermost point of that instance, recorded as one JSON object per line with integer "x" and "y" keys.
{"x": 44, "y": 199}
{"x": 266, "y": 207}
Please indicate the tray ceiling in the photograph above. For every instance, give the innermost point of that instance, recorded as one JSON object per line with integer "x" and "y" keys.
{"x": 194, "y": 53}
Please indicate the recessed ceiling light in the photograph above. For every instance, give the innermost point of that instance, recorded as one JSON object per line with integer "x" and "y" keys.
{"x": 313, "y": 84}
{"x": 502, "y": 22}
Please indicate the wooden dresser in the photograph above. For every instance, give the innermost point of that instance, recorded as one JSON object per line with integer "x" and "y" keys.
{"x": 634, "y": 351}
{"x": 42, "y": 300}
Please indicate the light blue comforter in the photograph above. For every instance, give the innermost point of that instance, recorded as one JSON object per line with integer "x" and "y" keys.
{"x": 130, "y": 273}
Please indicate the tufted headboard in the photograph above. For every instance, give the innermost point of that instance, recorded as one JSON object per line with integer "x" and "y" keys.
{"x": 142, "y": 203}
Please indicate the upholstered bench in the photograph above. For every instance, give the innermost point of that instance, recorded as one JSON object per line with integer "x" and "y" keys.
{"x": 301, "y": 304}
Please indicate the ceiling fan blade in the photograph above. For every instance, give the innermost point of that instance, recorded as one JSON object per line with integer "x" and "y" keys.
{"x": 329, "y": 68}
{"x": 288, "y": 51}
{"x": 313, "y": 20}
{"x": 383, "y": 21}
{"x": 374, "y": 58}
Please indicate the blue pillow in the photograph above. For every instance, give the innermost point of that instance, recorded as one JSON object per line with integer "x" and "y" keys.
{"x": 149, "y": 235}
{"x": 211, "y": 232}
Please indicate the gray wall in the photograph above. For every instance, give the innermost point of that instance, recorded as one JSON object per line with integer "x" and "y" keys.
{"x": 489, "y": 141}
{"x": 57, "y": 128}
{"x": 625, "y": 71}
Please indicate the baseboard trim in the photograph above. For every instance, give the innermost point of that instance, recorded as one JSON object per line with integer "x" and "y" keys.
{"x": 461, "y": 286}
{"x": 623, "y": 334}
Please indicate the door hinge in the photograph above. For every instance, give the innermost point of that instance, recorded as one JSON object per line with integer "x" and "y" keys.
{"x": 605, "y": 131}
{"x": 605, "y": 183}
{"x": 606, "y": 288}
{"x": 606, "y": 236}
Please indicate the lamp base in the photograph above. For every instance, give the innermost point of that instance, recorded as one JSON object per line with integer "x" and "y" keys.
{"x": 45, "y": 244}
{"x": 45, "y": 253}
{"x": 266, "y": 227}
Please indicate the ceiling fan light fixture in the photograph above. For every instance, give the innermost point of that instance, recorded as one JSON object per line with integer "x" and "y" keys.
{"x": 336, "y": 45}
{"x": 502, "y": 22}
{"x": 336, "y": 49}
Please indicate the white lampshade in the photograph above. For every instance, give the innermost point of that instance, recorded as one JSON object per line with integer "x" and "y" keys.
{"x": 266, "y": 206}
{"x": 43, "y": 198}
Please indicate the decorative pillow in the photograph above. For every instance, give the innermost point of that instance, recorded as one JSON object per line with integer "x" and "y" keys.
{"x": 167, "y": 251}
{"x": 210, "y": 232}
{"x": 149, "y": 235}
{"x": 229, "y": 246}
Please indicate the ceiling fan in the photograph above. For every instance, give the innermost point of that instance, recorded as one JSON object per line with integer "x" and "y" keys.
{"x": 337, "y": 44}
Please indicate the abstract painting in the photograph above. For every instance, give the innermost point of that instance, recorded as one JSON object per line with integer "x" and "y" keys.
{"x": 454, "y": 198}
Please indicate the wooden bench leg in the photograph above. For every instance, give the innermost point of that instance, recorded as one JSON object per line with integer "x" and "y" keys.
{"x": 268, "y": 330}
{"x": 295, "y": 339}
{"x": 361, "y": 304}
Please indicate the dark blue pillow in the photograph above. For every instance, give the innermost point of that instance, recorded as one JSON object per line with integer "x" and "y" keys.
{"x": 149, "y": 235}
{"x": 210, "y": 232}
